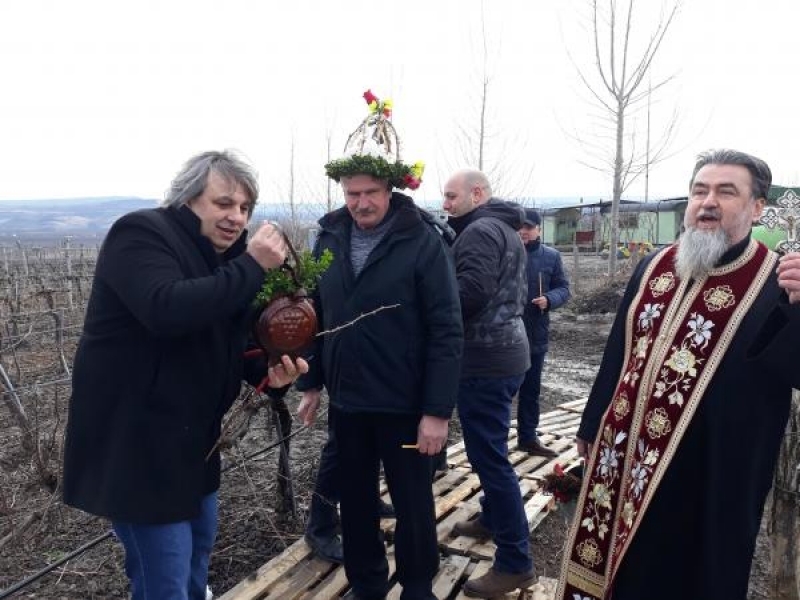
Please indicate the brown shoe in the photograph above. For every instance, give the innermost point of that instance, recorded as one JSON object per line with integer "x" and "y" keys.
{"x": 495, "y": 583}
{"x": 537, "y": 448}
{"x": 472, "y": 528}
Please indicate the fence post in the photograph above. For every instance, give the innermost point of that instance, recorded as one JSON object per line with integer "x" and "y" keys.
{"x": 576, "y": 277}
{"x": 784, "y": 525}
{"x": 68, "y": 260}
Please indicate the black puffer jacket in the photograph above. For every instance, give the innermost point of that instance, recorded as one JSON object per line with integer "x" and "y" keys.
{"x": 400, "y": 360}
{"x": 492, "y": 285}
{"x": 158, "y": 364}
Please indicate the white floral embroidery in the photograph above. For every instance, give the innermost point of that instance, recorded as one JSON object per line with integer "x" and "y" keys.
{"x": 700, "y": 328}
{"x": 648, "y": 315}
{"x": 651, "y": 456}
{"x": 597, "y": 513}
{"x": 639, "y": 478}
{"x": 608, "y": 461}
{"x": 681, "y": 369}
{"x": 579, "y": 597}
{"x": 676, "y": 398}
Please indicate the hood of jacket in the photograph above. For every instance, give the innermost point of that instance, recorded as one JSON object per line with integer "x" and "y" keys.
{"x": 510, "y": 213}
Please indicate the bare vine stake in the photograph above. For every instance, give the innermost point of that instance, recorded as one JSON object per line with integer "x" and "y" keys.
{"x": 356, "y": 320}
{"x": 14, "y": 403}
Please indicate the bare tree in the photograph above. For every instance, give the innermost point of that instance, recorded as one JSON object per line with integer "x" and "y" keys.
{"x": 479, "y": 141}
{"x": 784, "y": 513}
{"x": 621, "y": 89}
{"x": 291, "y": 180}
{"x": 328, "y": 158}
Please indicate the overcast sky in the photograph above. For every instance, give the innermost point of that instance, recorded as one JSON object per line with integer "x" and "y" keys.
{"x": 109, "y": 97}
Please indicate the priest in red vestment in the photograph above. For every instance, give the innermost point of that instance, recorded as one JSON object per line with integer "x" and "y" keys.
{"x": 685, "y": 419}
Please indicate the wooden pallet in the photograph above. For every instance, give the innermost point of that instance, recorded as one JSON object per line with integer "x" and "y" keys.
{"x": 297, "y": 574}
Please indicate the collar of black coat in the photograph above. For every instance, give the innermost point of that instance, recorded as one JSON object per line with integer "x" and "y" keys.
{"x": 401, "y": 206}
{"x": 509, "y": 213}
{"x": 191, "y": 223}
{"x": 734, "y": 252}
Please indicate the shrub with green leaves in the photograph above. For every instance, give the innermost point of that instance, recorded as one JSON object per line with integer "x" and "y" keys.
{"x": 279, "y": 282}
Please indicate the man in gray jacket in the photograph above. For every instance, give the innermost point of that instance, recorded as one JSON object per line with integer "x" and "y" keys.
{"x": 492, "y": 286}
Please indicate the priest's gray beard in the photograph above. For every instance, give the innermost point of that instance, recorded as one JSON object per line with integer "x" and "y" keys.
{"x": 699, "y": 251}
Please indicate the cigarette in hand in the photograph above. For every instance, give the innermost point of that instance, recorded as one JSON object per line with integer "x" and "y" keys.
{"x": 411, "y": 446}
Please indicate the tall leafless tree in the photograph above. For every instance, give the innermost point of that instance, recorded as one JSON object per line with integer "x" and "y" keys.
{"x": 479, "y": 141}
{"x": 620, "y": 88}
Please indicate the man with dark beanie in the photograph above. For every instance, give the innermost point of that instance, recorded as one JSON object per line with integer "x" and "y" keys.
{"x": 548, "y": 289}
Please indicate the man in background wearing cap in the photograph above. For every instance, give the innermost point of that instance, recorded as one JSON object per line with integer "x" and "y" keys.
{"x": 490, "y": 269}
{"x": 548, "y": 289}
{"x": 392, "y": 376}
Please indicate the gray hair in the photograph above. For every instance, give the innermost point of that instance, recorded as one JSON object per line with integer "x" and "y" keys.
{"x": 190, "y": 182}
{"x": 760, "y": 174}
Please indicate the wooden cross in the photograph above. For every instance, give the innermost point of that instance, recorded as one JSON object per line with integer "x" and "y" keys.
{"x": 785, "y": 216}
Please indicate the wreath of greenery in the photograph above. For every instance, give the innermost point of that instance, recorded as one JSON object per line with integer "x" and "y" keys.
{"x": 399, "y": 175}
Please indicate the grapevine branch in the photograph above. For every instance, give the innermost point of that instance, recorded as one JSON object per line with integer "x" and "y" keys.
{"x": 356, "y": 320}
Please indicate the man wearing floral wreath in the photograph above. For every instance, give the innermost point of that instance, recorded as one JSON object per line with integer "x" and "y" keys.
{"x": 685, "y": 419}
{"x": 392, "y": 375}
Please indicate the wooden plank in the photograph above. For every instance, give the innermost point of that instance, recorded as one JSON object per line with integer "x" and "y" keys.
{"x": 445, "y": 526}
{"x": 479, "y": 568}
{"x": 296, "y": 574}
{"x": 304, "y": 576}
{"x": 537, "y": 508}
{"x": 566, "y": 429}
{"x": 331, "y": 586}
{"x": 265, "y": 577}
{"x": 555, "y": 416}
{"x": 574, "y": 405}
{"x": 562, "y": 459}
{"x": 557, "y": 419}
{"x": 531, "y": 464}
{"x": 467, "y": 488}
{"x": 544, "y": 589}
{"x": 448, "y": 580}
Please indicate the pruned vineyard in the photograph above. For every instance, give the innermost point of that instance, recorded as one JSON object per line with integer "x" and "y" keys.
{"x": 43, "y": 294}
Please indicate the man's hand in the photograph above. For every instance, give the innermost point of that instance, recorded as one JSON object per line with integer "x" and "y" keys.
{"x": 431, "y": 434}
{"x": 267, "y": 246}
{"x": 541, "y": 302}
{"x": 286, "y": 371}
{"x": 789, "y": 275}
{"x": 584, "y": 448}
{"x": 309, "y": 405}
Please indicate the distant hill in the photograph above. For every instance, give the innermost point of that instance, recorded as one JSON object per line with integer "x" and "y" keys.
{"x": 47, "y": 220}
{"x": 86, "y": 220}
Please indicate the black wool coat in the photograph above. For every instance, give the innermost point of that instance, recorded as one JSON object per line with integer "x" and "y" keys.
{"x": 403, "y": 360}
{"x": 159, "y": 362}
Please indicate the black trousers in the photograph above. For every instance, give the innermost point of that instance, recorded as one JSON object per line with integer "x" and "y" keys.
{"x": 323, "y": 519}
{"x": 365, "y": 440}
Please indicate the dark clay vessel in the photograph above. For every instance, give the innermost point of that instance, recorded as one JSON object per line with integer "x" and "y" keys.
{"x": 287, "y": 325}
